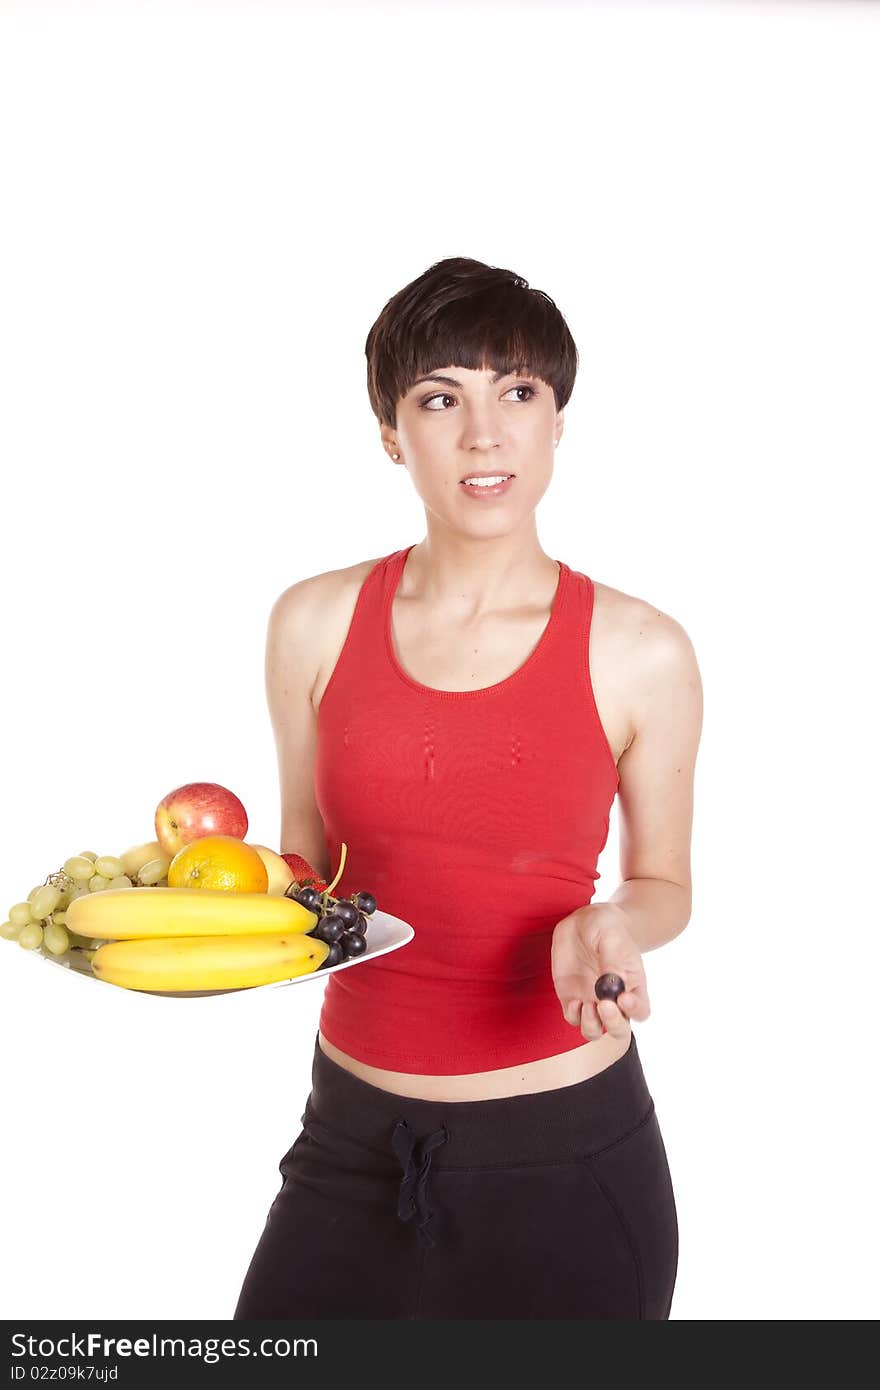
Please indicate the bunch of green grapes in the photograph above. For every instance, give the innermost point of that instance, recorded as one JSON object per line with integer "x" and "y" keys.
{"x": 40, "y": 922}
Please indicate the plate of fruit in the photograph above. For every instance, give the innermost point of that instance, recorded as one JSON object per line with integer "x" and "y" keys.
{"x": 199, "y": 910}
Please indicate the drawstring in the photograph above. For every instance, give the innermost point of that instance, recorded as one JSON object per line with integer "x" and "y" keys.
{"x": 415, "y": 1157}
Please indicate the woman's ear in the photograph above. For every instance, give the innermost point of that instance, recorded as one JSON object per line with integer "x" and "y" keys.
{"x": 389, "y": 443}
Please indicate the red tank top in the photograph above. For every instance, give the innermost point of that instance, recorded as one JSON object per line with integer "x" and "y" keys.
{"x": 478, "y": 817}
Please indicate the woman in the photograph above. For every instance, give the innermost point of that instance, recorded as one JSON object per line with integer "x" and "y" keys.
{"x": 480, "y": 1140}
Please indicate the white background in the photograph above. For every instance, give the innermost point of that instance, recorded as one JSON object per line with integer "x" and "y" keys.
{"x": 204, "y": 209}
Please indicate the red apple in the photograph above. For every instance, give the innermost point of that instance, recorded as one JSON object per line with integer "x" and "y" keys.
{"x": 197, "y": 809}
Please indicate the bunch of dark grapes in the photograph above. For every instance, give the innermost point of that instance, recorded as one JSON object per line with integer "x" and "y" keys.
{"x": 342, "y": 922}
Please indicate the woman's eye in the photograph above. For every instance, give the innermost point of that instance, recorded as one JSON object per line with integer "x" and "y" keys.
{"x": 444, "y": 396}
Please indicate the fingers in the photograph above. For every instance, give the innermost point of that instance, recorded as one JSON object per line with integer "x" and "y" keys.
{"x": 572, "y": 1013}
{"x": 595, "y": 1016}
{"x": 613, "y": 1016}
{"x": 616, "y": 1022}
{"x": 634, "y": 1005}
{"x": 592, "y": 1018}
{"x": 590, "y": 1021}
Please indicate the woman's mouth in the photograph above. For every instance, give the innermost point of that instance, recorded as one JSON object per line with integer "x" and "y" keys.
{"x": 491, "y": 485}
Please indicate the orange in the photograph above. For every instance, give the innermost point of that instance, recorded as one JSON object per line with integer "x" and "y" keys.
{"x": 218, "y": 861}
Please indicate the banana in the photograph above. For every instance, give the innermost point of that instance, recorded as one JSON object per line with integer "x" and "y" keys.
{"x": 121, "y": 914}
{"x": 208, "y": 962}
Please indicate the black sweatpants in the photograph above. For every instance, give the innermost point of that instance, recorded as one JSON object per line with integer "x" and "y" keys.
{"x": 553, "y": 1204}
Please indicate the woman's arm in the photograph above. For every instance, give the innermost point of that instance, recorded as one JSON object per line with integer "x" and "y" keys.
{"x": 653, "y": 903}
{"x": 656, "y": 789}
{"x": 292, "y": 660}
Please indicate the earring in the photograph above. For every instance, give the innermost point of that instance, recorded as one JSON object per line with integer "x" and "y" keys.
{"x": 395, "y": 456}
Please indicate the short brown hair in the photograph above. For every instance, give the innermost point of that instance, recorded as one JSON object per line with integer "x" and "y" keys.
{"x": 465, "y": 313}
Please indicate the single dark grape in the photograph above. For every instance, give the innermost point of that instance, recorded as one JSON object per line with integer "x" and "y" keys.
{"x": 330, "y": 928}
{"x": 354, "y": 944}
{"x": 334, "y": 956}
{"x": 366, "y": 902}
{"x": 306, "y": 896}
{"x": 347, "y": 911}
{"x": 609, "y": 986}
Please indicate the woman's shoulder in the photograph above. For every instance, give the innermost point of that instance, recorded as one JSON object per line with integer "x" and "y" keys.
{"x": 636, "y": 627}
{"x": 314, "y": 592}
{"x": 313, "y": 615}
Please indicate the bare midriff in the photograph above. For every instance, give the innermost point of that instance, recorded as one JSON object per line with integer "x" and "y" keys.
{"x": 546, "y": 1074}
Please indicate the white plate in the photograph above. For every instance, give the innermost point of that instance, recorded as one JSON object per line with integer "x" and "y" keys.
{"x": 384, "y": 933}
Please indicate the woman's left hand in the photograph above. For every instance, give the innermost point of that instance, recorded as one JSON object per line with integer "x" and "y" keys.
{"x": 590, "y": 942}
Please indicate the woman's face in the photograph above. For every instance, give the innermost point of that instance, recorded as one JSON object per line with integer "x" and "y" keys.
{"x": 459, "y": 421}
